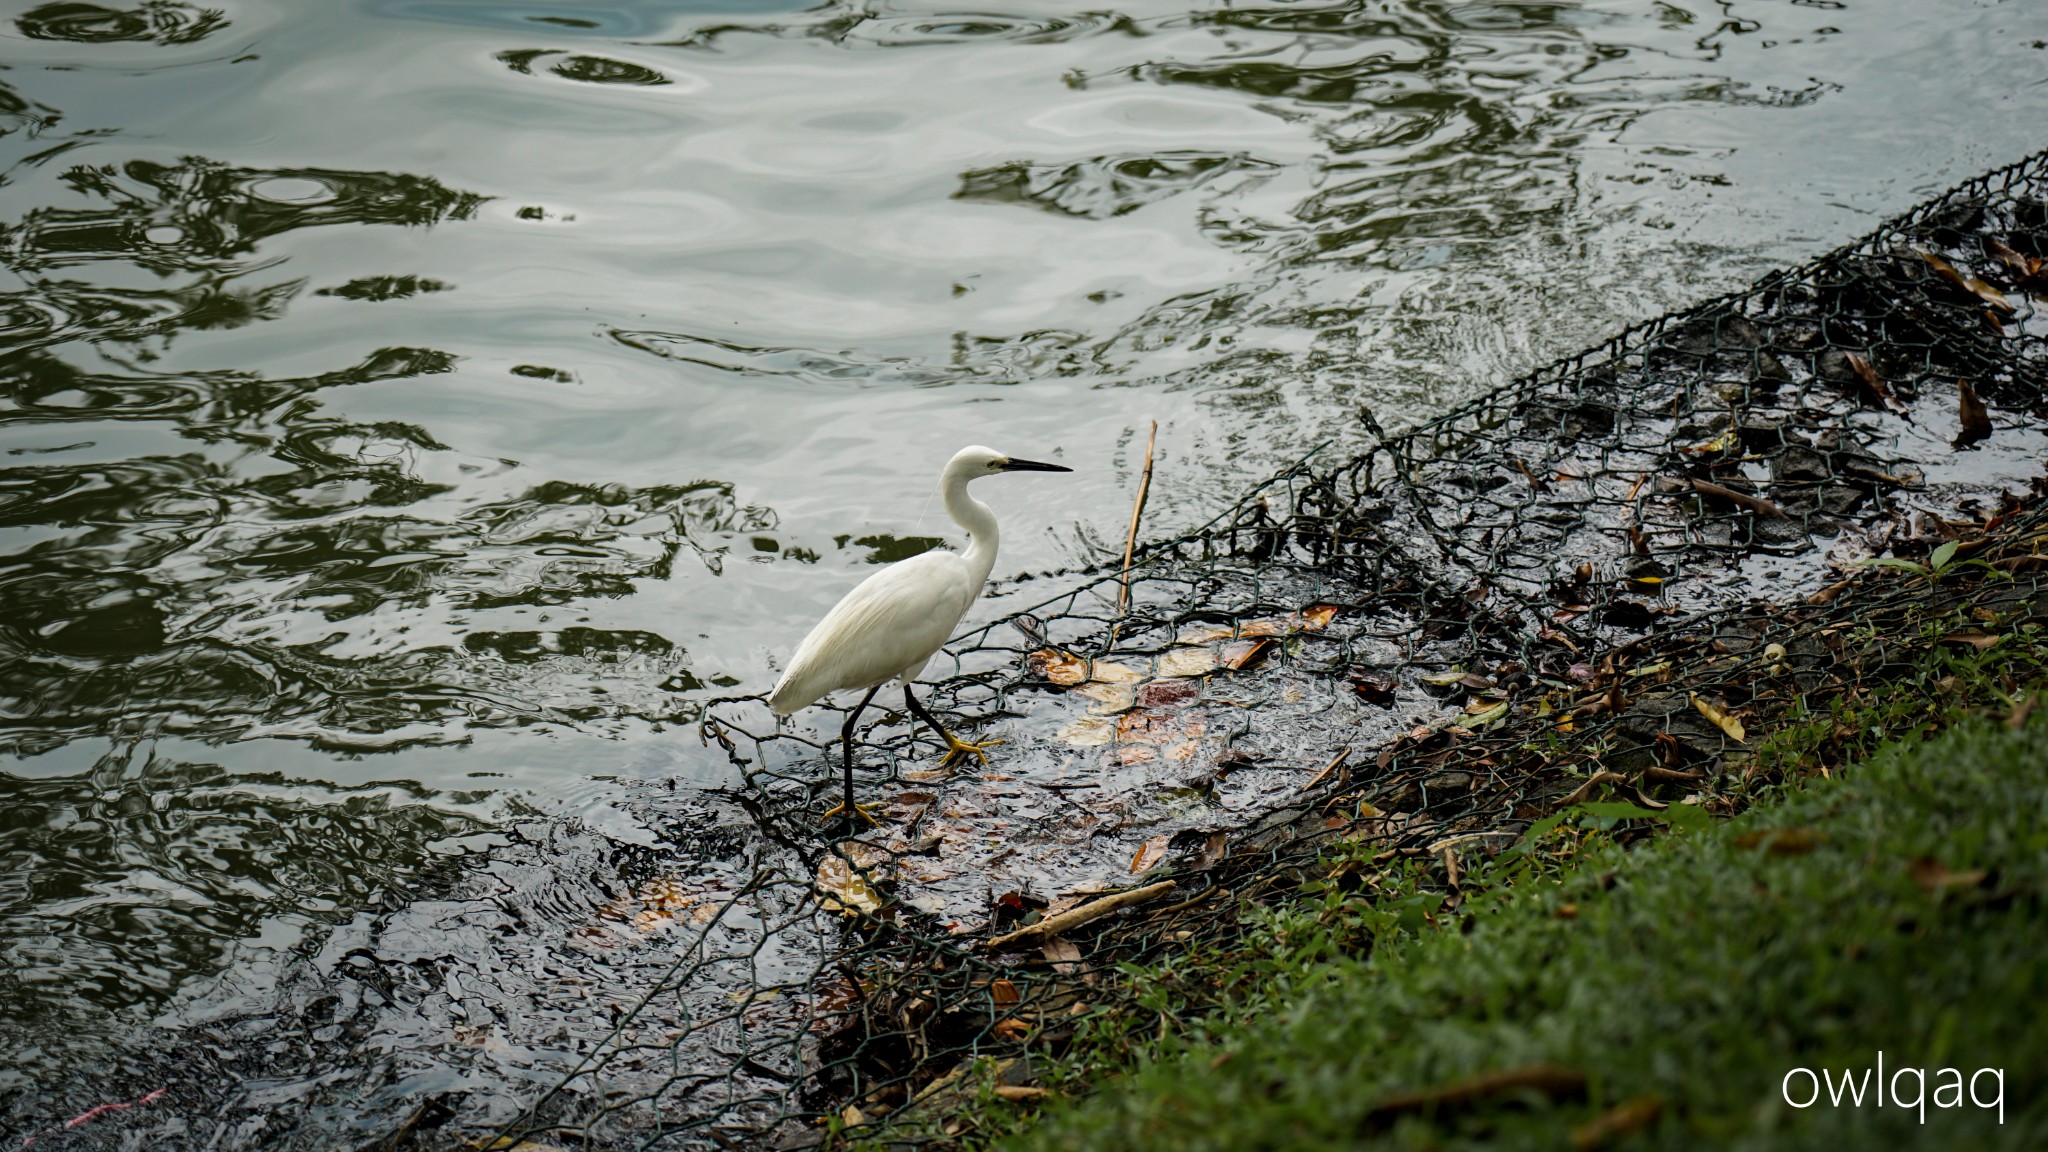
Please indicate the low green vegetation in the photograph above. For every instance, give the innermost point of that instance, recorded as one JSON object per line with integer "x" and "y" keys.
{"x": 1594, "y": 988}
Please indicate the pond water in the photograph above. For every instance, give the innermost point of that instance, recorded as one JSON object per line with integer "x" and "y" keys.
{"x": 416, "y": 409}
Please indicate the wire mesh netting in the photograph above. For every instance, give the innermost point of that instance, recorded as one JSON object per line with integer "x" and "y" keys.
{"x": 1614, "y": 575}
{"x": 1611, "y": 574}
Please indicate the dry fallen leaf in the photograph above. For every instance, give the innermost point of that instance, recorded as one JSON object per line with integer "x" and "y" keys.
{"x": 1059, "y": 667}
{"x": 1721, "y": 720}
{"x": 1970, "y": 284}
{"x": 1248, "y": 653}
{"x": 1149, "y": 853}
{"x": 1011, "y": 1029}
{"x": 1061, "y": 954}
{"x": 1481, "y": 713}
{"x": 1874, "y": 383}
{"x": 2022, "y": 267}
{"x": 1003, "y": 991}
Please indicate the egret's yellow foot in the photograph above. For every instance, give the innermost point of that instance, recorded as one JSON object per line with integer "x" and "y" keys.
{"x": 839, "y": 809}
{"x": 959, "y": 750}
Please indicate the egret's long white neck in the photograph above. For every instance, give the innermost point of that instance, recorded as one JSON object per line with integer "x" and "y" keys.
{"x": 978, "y": 518}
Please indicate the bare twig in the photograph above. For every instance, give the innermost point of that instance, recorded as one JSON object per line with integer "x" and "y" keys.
{"x": 1075, "y": 917}
{"x": 1123, "y": 593}
{"x": 1332, "y": 766}
{"x": 1755, "y": 504}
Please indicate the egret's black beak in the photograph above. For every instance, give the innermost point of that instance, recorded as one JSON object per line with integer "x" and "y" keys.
{"x": 1015, "y": 465}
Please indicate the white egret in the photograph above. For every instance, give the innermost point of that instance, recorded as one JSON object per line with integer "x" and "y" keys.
{"x": 893, "y": 622}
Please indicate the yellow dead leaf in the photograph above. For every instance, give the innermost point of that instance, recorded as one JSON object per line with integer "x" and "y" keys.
{"x": 1186, "y": 662}
{"x": 1058, "y": 667}
{"x": 1067, "y": 669}
{"x": 1484, "y": 712}
{"x": 1109, "y": 698}
{"x": 1204, "y": 633}
{"x": 846, "y": 891}
{"x": 1721, "y": 443}
{"x": 1317, "y": 617}
{"x": 1722, "y": 720}
{"x": 1089, "y": 731}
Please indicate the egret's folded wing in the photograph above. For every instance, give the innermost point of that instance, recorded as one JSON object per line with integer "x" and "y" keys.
{"x": 894, "y": 619}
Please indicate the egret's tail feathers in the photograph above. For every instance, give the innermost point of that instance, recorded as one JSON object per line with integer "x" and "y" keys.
{"x": 791, "y": 697}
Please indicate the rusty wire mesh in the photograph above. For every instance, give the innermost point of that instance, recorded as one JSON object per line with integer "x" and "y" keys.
{"x": 1428, "y": 645}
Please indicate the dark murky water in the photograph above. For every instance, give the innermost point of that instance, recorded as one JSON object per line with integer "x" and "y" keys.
{"x": 414, "y": 409}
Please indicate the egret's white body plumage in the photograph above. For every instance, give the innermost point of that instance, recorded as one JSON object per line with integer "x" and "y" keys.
{"x": 887, "y": 628}
{"x": 892, "y": 623}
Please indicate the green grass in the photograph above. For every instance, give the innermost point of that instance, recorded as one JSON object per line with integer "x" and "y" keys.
{"x": 1686, "y": 975}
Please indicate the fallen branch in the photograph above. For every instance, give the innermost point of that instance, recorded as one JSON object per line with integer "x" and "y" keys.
{"x": 1087, "y": 913}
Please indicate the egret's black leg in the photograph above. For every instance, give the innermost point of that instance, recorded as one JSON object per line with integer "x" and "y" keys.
{"x": 853, "y": 813}
{"x": 956, "y": 748}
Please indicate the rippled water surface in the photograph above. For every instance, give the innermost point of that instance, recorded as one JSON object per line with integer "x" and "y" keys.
{"x": 415, "y": 409}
